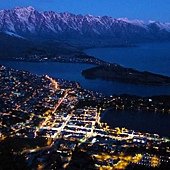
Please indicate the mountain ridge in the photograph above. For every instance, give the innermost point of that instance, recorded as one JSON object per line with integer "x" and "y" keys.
{"x": 85, "y": 30}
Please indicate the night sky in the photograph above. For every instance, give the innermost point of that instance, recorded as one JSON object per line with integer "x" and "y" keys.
{"x": 158, "y": 10}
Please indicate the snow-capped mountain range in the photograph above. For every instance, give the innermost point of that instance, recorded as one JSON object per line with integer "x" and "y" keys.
{"x": 29, "y": 23}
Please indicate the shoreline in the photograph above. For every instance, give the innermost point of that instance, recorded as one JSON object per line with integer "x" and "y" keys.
{"x": 106, "y": 71}
{"x": 126, "y": 75}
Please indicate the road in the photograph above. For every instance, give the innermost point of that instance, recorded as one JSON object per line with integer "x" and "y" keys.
{"x": 53, "y": 111}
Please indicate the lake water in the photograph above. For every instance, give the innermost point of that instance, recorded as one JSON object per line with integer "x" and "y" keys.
{"x": 139, "y": 121}
{"x": 149, "y": 57}
{"x": 146, "y": 57}
{"x": 73, "y": 72}
{"x": 153, "y": 57}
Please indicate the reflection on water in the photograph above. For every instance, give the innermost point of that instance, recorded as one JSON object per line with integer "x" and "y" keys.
{"x": 153, "y": 57}
{"x": 72, "y": 71}
{"x": 139, "y": 121}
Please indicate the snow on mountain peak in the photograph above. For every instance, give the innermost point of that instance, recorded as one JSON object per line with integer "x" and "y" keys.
{"x": 29, "y": 8}
{"x": 28, "y": 21}
{"x": 160, "y": 25}
{"x": 134, "y": 22}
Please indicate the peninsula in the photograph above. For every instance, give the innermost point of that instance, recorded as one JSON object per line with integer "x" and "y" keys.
{"x": 114, "y": 72}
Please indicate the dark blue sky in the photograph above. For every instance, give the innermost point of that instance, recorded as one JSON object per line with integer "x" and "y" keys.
{"x": 132, "y": 9}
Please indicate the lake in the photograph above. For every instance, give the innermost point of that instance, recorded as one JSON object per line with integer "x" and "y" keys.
{"x": 153, "y": 57}
{"x": 72, "y": 71}
{"x": 149, "y": 57}
{"x": 139, "y": 121}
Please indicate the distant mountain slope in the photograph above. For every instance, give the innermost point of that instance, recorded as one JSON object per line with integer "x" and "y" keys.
{"x": 79, "y": 30}
{"x": 14, "y": 46}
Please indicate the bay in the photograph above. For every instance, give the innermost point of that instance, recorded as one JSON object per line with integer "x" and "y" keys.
{"x": 149, "y": 122}
{"x": 149, "y": 57}
{"x": 153, "y": 57}
{"x": 71, "y": 71}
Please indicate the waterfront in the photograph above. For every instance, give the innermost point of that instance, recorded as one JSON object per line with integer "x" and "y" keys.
{"x": 156, "y": 122}
{"x": 139, "y": 121}
{"x": 70, "y": 71}
{"x": 69, "y": 126}
{"x": 153, "y": 57}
